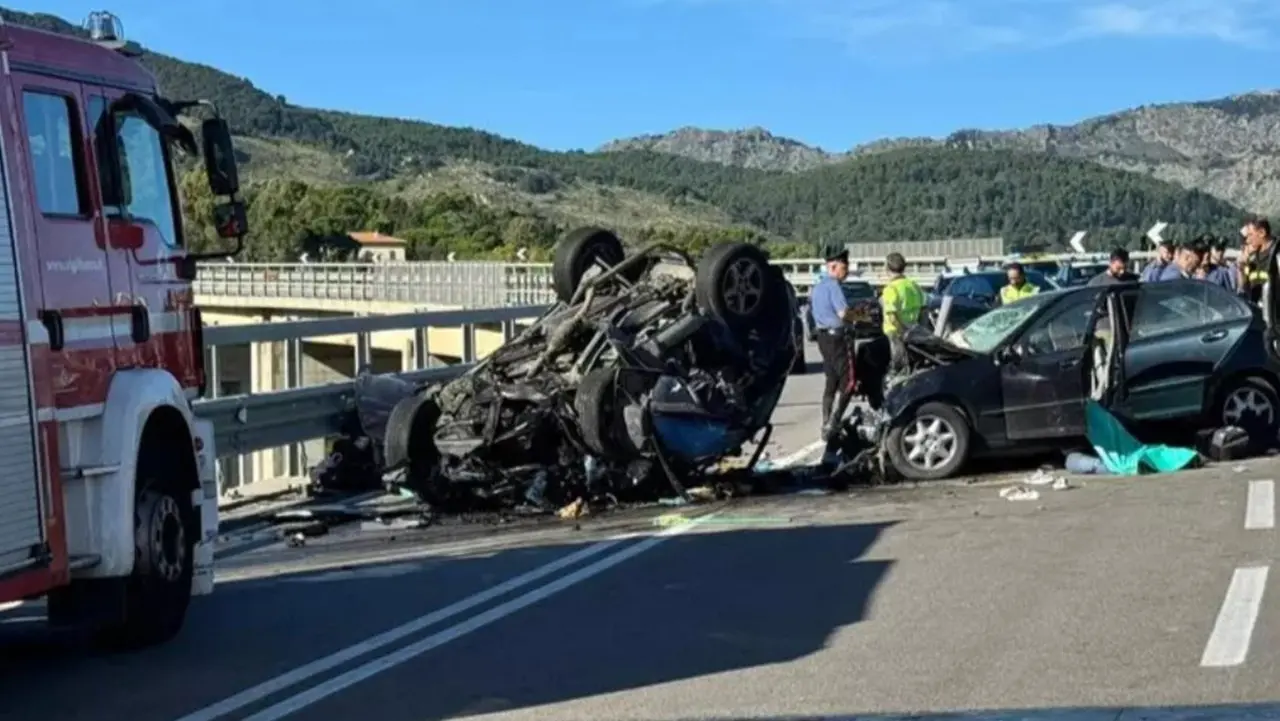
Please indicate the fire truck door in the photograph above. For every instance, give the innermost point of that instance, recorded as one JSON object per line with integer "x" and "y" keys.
{"x": 118, "y": 260}
{"x": 76, "y": 298}
{"x": 150, "y": 216}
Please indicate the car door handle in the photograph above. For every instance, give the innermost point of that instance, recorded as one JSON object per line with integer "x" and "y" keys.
{"x": 1213, "y": 336}
{"x": 1068, "y": 364}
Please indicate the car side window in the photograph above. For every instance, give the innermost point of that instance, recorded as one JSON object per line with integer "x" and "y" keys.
{"x": 1172, "y": 307}
{"x": 1062, "y": 330}
{"x": 1039, "y": 281}
{"x": 970, "y": 286}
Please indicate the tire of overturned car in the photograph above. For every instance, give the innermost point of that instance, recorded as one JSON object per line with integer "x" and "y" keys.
{"x": 577, "y": 252}
{"x": 951, "y": 435}
{"x": 595, "y": 402}
{"x": 735, "y": 284}
{"x": 410, "y": 435}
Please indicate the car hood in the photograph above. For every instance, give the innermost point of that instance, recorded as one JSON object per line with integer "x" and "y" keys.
{"x": 933, "y": 350}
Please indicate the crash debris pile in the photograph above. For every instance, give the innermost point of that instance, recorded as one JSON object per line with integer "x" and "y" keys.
{"x": 650, "y": 371}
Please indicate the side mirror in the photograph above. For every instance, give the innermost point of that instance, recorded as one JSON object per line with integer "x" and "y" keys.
{"x": 220, "y": 158}
{"x": 1009, "y": 354}
{"x": 230, "y": 219}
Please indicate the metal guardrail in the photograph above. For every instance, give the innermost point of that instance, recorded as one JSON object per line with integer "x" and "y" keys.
{"x": 249, "y": 422}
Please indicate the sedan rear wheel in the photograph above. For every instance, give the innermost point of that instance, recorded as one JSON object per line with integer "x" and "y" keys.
{"x": 1251, "y": 403}
{"x": 931, "y": 445}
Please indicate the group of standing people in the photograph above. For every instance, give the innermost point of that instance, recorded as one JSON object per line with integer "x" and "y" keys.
{"x": 902, "y": 300}
{"x": 1204, "y": 258}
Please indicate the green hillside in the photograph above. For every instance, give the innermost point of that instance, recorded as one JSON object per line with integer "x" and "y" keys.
{"x": 316, "y": 172}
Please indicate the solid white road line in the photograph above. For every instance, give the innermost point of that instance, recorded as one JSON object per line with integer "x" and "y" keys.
{"x": 375, "y": 666}
{"x": 259, "y": 692}
{"x": 1229, "y": 643}
{"x": 1260, "y": 510}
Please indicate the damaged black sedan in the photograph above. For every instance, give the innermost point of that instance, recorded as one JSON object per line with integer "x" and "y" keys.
{"x": 649, "y": 369}
{"x": 1016, "y": 380}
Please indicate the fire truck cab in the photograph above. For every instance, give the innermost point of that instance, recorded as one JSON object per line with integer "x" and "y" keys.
{"x": 108, "y": 497}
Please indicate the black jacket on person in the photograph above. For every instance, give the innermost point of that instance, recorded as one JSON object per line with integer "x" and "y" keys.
{"x": 1107, "y": 278}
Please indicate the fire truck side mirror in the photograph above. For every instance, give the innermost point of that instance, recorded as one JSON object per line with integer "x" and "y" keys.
{"x": 230, "y": 219}
{"x": 220, "y": 157}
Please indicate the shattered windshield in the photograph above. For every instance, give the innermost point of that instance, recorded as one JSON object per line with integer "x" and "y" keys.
{"x": 990, "y": 329}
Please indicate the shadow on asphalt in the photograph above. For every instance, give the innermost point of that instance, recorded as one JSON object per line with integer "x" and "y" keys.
{"x": 700, "y": 603}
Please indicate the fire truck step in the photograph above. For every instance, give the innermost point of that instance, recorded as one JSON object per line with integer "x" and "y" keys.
{"x": 79, "y": 563}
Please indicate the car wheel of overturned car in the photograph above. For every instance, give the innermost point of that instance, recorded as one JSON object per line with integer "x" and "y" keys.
{"x": 596, "y": 404}
{"x": 1252, "y": 404}
{"x": 410, "y": 437}
{"x": 931, "y": 445}
{"x": 577, "y": 253}
{"x": 735, "y": 284}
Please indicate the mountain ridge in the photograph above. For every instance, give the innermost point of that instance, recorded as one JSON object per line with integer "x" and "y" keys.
{"x": 1229, "y": 146}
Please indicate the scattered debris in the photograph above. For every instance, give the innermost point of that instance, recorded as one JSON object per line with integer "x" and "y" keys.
{"x": 574, "y": 510}
{"x": 1041, "y": 478}
{"x": 1019, "y": 493}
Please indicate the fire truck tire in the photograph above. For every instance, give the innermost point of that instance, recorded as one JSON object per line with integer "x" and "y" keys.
{"x": 158, "y": 592}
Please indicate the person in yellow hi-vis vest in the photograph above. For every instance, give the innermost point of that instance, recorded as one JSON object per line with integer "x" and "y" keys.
{"x": 1018, "y": 287}
{"x": 902, "y": 300}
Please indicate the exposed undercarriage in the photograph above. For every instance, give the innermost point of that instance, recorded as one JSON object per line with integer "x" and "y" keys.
{"x": 649, "y": 371}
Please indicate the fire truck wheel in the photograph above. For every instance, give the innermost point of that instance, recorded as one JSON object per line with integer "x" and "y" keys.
{"x": 159, "y": 591}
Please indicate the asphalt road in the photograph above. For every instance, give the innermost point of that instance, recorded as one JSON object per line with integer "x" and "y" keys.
{"x": 1119, "y": 598}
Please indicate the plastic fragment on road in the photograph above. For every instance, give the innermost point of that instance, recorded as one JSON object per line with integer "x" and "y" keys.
{"x": 577, "y": 509}
{"x": 1040, "y": 478}
{"x": 1125, "y": 455}
{"x": 1019, "y": 493}
{"x": 1061, "y": 484}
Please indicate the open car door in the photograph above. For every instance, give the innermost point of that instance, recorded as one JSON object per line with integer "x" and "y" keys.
{"x": 1043, "y": 381}
{"x": 1105, "y": 343}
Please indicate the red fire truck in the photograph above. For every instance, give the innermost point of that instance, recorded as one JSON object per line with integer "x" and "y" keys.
{"x": 108, "y": 497}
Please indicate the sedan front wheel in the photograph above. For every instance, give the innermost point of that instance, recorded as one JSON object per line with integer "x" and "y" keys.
{"x": 931, "y": 445}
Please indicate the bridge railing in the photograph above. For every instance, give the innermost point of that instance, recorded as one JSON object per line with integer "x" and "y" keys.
{"x": 461, "y": 284}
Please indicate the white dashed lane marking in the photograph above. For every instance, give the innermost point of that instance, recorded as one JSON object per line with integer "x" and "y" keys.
{"x": 1233, "y": 631}
{"x": 1260, "y": 509}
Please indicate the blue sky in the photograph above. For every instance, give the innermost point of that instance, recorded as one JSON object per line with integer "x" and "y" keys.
{"x": 835, "y": 73}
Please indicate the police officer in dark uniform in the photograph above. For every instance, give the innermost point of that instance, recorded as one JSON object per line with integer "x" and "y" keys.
{"x": 831, "y": 313}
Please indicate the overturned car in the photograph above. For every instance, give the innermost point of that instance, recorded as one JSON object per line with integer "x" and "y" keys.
{"x": 649, "y": 369}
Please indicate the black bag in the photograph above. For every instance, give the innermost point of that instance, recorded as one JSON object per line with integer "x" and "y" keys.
{"x": 1228, "y": 443}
